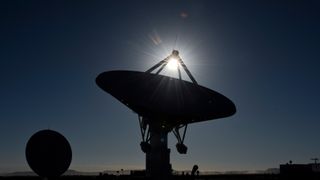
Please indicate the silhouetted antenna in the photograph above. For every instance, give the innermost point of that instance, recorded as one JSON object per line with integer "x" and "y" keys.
{"x": 48, "y": 153}
{"x": 164, "y": 104}
{"x": 315, "y": 160}
{"x": 194, "y": 170}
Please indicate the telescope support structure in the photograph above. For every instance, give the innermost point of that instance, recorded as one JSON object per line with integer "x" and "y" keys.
{"x": 158, "y": 158}
{"x": 162, "y": 64}
{"x": 155, "y": 145}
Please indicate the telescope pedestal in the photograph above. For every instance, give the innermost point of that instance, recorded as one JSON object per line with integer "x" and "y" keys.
{"x": 158, "y": 158}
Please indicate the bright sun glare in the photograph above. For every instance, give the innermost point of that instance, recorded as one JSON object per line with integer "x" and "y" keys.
{"x": 172, "y": 64}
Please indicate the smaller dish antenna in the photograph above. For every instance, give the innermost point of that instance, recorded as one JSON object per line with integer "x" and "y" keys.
{"x": 48, "y": 153}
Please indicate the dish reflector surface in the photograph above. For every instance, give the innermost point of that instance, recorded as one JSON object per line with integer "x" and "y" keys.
{"x": 163, "y": 98}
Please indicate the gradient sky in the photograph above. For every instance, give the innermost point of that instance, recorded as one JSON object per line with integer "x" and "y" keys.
{"x": 264, "y": 55}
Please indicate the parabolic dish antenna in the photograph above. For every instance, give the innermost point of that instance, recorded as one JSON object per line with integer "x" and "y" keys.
{"x": 166, "y": 100}
{"x": 164, "y": 104}
{"x": 48, "y": 153}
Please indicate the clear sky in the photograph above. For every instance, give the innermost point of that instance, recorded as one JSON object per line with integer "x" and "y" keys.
{"x": 263, "y": 55}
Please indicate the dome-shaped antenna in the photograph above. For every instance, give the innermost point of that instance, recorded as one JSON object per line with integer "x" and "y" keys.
{"x": 48, "y": 153}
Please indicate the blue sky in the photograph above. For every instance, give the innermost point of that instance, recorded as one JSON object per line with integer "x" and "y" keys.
{"x": 264, "y": 55}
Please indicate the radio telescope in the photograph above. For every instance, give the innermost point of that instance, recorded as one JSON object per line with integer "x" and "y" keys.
{"x": 48, "y": 153}
{"x": 164, "y": 104}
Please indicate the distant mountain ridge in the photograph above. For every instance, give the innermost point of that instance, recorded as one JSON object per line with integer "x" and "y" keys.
{"x": 115, "y": 172}
{"x": 67, "y": 173}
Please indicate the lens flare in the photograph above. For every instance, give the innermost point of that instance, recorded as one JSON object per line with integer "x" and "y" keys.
{"x": 173, "y": 63}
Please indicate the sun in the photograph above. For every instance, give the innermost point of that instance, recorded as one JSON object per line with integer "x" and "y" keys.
{"x": 173, "y": 63}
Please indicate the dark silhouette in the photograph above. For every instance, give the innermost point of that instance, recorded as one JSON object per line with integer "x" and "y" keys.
{"x": 164, "y": 104}
{"x": 194, "y": 170}
{"x": 48, "y": 153}
{"x": 300, "y": 171}
{"x": 315, "y": 160}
